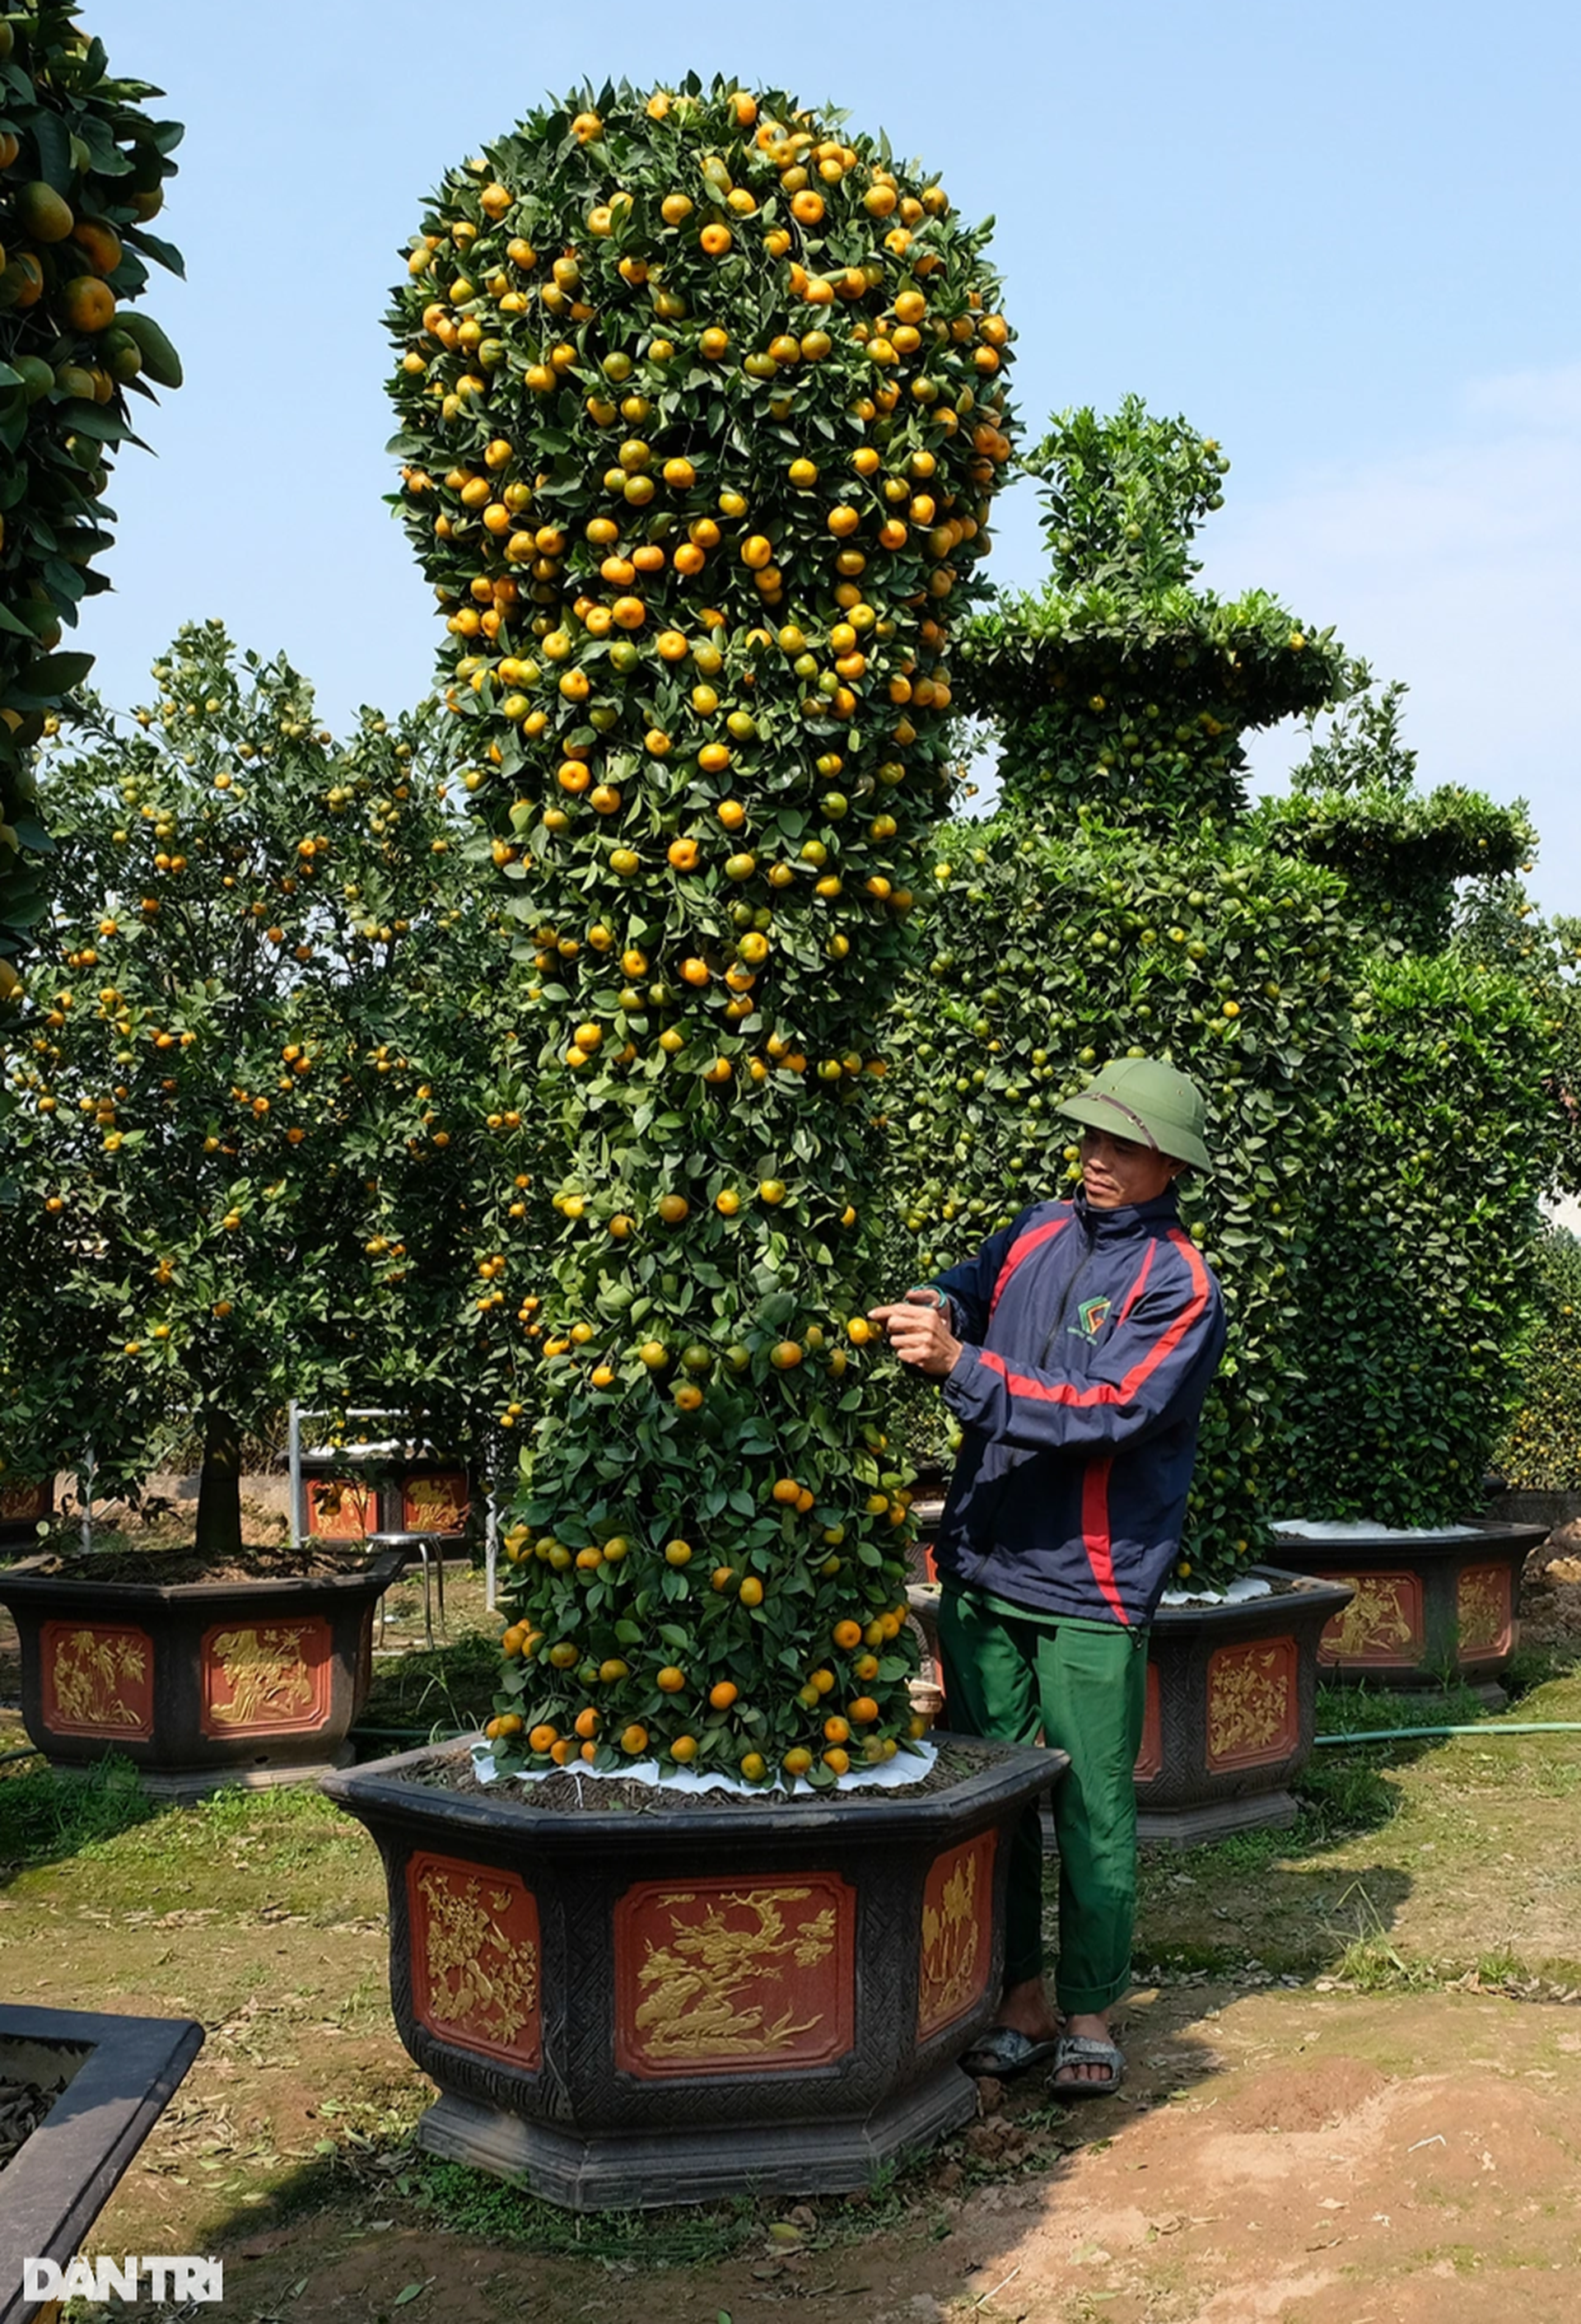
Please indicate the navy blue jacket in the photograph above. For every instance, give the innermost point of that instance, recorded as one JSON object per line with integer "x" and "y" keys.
{"x": 1091, "y": 1337}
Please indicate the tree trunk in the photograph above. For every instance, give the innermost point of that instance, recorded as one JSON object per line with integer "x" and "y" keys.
{"x": 219, "y": 1488}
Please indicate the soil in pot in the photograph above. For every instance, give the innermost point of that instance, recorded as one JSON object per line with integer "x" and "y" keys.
{"x": 608, "y": 1794}
{"x": 163, "y": 1569}
{"x": 22, "y": 2107}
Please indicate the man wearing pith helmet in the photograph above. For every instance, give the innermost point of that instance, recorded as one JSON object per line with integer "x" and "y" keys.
{"x": 1075, "y": 1349}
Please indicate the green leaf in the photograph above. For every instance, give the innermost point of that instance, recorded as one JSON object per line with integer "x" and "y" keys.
{"x": 164, "y": 253}
{"x": 54, "y": 141}
{"x": 53, "y": 675}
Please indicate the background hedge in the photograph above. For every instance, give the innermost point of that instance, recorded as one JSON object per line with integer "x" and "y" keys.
{"x": 1540, "y": 1448}
{"x": 1122, "y": 902}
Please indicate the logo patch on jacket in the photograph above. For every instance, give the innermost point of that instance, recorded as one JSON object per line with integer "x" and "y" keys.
{"x": 1092, "y": 1314}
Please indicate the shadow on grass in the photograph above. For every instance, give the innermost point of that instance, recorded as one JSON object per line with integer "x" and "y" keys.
{"x": 1357, "y": 1710}
{"x": 428, "y": 1693}
{"x": 45, "y": 1818}
{"x": 230, "y": 1849}
{"x": 1267, "y": 1902}
{"x": 335, "y": 2218}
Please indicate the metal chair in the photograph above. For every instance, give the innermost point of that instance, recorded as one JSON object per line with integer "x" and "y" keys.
{"x": 429, "y": 1548}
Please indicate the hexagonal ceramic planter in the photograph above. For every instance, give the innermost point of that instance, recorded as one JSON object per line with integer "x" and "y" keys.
{"x": 644, "y": 2006}
{"x": 1231, "y": 1699}
{"x": 115, "y": 2077}
{"x": 1426, "y": 1609}
{"x": 199, "y": 1683}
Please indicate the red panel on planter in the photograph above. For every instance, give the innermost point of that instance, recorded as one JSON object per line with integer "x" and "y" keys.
{"x": 1253, "y": 1706}
{"x": 476, "y": 1957}
{"x": 266, "y": 1678}
{"x": 957, "y": 1934}
{"x": 722, "y": 1976}
{"x": 338, "y": 1510}
{"x": 25, "y": 1504}
{"x": 1484, "y": 1610}
{"x": 98, "y": 1680}
{"x": 1150, "y": 1758}
{"x": 1382, "y": 1626}
{"x": 436, "y": 1503}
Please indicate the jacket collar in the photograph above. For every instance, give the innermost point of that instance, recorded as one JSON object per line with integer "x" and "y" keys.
{"x": 1132, "y": 1219}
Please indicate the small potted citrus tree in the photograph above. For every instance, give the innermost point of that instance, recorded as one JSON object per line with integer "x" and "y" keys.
{"x": 1120, "y": 902}
{"x": 249, "y": 923}
{"x": 704, "y": 404}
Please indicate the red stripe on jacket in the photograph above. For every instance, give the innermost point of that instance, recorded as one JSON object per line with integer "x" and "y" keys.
{"x": 1095, "y": 1533}
{"x": 1137, "y": 1288}
{"x": 1022, "y": 1249}
{"x": 1109, "y": 1391}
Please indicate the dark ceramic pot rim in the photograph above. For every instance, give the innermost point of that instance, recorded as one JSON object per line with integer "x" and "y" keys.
{"x": 24, "y": 1582}
{"x": 58, "y": 2184}
{"x": 1485, "y": 1533}
{"x": 1291, "y": 1592}
{"x": 393, "y": 1787}
{"x": 1312, "y": 1589}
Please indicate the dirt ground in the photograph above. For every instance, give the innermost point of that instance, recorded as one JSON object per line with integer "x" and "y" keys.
{"x": 1327, "y": 2158}
{"x": 1355, "y": 2093}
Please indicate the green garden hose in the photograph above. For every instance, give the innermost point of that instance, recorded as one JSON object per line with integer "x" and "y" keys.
{"x": 1492, "y": 1726}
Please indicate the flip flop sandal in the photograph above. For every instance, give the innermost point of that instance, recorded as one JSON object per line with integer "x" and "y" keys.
{"x": 1005, "y": 2052}
{"x": 1080, "y": 2050}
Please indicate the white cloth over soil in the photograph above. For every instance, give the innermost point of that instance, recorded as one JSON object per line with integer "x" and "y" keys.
{"x": 1361, "y": 1530}
{"x": 1246, "y": 1585}
{"x": 910, "y": 1764}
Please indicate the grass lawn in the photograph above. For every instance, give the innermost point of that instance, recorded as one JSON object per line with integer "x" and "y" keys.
{"x": 1429, "y": 1899}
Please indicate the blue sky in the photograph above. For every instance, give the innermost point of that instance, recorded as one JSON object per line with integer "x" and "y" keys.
{"x": 1342, "y": 240}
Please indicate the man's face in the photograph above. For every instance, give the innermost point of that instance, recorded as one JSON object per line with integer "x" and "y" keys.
{"x": 1118, "y": 1171}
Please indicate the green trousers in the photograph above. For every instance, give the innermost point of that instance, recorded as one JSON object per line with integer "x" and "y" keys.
{"x": 1083, "y": 1687}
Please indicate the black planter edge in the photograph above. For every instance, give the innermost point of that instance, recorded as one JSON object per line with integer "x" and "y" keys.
{"x": 1309, "y": 1591}
{"x": 125, "y": 1597}
{"x": 385, "y": 1786}
{"x": 1485, "y": 1533}
{"x": 59, "y": 2183}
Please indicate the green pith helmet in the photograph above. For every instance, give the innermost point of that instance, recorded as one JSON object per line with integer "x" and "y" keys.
{"x": 1141, "y": 1098}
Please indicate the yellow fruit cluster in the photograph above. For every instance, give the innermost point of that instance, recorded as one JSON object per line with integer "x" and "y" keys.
{"x": 82, "y": 168}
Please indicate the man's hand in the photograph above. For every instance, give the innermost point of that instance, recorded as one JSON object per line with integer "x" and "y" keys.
{"x": 917, "y": 1331}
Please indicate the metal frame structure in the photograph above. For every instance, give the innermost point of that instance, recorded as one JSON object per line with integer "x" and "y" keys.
{"x": 297, "y": 1413}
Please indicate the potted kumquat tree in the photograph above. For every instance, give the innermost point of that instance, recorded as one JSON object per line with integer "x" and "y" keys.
{"x": 1426, "y": 1233}
{"x": 703, "y": 403}
{"x": 234, "y": 1180}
